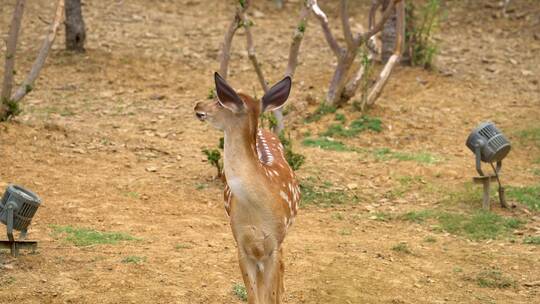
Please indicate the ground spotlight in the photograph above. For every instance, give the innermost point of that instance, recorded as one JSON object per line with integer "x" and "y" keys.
{"x": 17, "y": 207}
{"x": 490, "y": 146}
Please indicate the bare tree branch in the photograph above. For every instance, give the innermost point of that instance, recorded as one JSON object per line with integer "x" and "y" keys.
{"x": 9, "y": 65}
{"x": 225, "y": 55}
{"x": 297, "y": 39}
{"x": 349, "y": 39}
{"x": 393, "y": 60}
{"x": 354, "y": 83}
{"x": 373, "y": 11}
{"x": 251, "y": 50}
{"x": 326, "y": 29}
{"x": 26, "y": 86}
{"x": 379, "y": 26}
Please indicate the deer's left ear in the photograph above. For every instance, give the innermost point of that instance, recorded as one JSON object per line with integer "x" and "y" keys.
{"x": 275, "y": 97}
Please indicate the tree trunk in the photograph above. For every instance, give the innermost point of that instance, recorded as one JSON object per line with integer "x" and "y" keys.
{"x": 388, "y": 34}
{"x": 75, "y": 31}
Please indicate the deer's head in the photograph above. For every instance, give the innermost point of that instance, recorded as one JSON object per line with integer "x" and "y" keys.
{"x": 231, "y": 109}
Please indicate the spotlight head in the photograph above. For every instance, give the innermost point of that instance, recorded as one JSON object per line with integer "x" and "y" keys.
{"x": 489, "y": 142}
{"x": 24, "y": 204}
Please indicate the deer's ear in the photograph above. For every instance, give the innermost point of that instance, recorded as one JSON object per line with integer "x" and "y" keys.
{"x": 277, "y": 95}
{"x": 227, "y": 97}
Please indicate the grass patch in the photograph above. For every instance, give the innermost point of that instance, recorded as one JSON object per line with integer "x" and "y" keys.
{"x": 322, "y": 110}
{"x": 480, "y": 225}
{"x": 340, "y": 117}
{"x": 133, "y": 259}
{"x": 529, "y": 196}
{"x": 326, "y": 144}
{"x": 357, "y": 126}
{"x": 494, "y": 279}
{"x": 531, "y": 135}
{"x": 7, "y": 280}
{"x": 338, "y": 216}
{"x": 430, "y": 239}
{"x": 385, "y": 154}
{"x": 405, "y": 185}
{"x": 381, "y": 217}
{"x": 402, "y": 248}
{"x": 532, "y": 240}
{"x": 182, "y": 246}
{"x": 240, "y": 291}
{"x": 132, "y": 194}
{"x": 417, "y": 216}
{"x": 88, "y": 237}
{"x": 324, "y": 195}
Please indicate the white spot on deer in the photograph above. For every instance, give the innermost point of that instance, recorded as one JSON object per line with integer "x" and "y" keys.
{"x": 283, "y": 195}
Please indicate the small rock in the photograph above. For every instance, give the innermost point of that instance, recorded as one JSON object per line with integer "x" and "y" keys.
{"x": 151, "y": 169}
{"x": 157, "y": 97}
{"x": 491, "y": 69}
{"x": 526, "y": 73}
{"x": 352, "y": 186}
{"x": 258, "y": 14}
{"x": 532, "y": 284}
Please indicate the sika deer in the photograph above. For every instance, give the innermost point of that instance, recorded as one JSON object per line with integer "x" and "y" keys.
{"x": 261, "y": 193}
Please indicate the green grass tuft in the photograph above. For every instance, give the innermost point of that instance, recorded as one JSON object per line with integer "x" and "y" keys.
{"x": 417, "y": 216}
{"x": 421, "y": 157}
{"x": 494, "y": 279}
{"x": 480, "y": 225}
{"x": 357, "y": 126}
{"x": 381, "y": 216}
{"x": 324, "y": 195}
{"x": 240, "y": 291}
{"x": 88, "y": 237}
{"x": 402, "y": 248}
{"x": 326, "y": 144}
{"x": 529, "y": 196}
{"x": 133, "y": 259}
{"x": 533, "y": 240}
{"x": 322, "y": 110}
{"x": 531, "y": 135}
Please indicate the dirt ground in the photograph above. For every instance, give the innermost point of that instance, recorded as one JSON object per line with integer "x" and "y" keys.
{"x": 109, "y": 141}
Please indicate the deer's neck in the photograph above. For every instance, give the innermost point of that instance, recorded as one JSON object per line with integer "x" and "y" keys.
{"x": 241, "y": 163}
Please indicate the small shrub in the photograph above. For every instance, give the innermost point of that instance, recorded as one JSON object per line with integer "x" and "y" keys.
{"x": 214, "y": 158}
{"x": 295, "y": 160}
{"x": 421, "y": 25}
